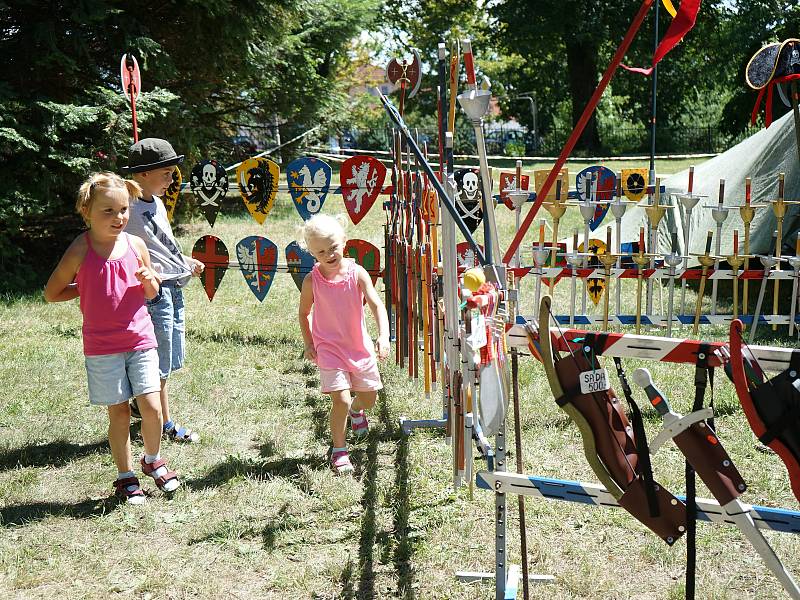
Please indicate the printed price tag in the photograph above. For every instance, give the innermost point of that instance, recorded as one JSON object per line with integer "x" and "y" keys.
{"x": 594, "y": 381}
{"x": 477, "y": 338}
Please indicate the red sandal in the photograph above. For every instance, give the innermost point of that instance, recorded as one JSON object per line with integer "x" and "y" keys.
{"x": 163, "y": 482}
{"x": 134, "y": 496}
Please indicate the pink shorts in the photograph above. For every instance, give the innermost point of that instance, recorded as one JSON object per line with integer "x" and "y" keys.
{"x": 336, "y": 380}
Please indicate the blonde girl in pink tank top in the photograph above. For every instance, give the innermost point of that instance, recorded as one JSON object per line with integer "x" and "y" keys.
{"x": 335, "y": 335}
{"x": 110, "y": 272}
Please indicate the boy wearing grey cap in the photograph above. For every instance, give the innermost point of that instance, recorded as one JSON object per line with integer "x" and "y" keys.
{"x": 151, "y": 163}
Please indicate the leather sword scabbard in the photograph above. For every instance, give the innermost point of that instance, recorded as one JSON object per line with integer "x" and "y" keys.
{"x": 701, "y": 447}
{"x": 670, "y": 524}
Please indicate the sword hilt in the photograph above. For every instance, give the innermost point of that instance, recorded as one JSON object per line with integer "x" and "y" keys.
{"x": 644, "y": 379}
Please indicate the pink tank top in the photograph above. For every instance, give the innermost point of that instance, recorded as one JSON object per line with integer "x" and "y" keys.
{"x": 338, "y": 329}
{"x": 115, "y": 318}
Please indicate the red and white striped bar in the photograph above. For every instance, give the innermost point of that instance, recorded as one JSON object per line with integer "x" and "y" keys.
{"x": 663, "y": 349}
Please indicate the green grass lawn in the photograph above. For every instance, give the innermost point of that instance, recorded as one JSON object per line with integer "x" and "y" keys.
{"x": 260, "y": 515}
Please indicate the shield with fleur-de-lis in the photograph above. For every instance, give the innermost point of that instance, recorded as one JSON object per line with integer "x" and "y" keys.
{"x": 365, "y": 254}
{"x": 258, "y": 260}
{"x": 361, "y": 179}
{"x": 258, "y": 185}
{"x": 309, "y": 181}
{"x": 173, "y": 191}
{"x": 212, "y": 252}
{"x": 209, "y": 183}
{"x": 299, "y": 262}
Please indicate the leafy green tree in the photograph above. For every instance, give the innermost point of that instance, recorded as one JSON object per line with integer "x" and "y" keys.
{"x": 207, "y": 66}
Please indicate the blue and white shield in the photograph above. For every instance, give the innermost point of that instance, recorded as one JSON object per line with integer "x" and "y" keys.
{"x": 309, "y": 182}
{"x": 258, "y": 260}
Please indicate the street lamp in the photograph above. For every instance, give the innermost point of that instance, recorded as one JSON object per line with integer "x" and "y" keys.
{"x": 532, "y": 99}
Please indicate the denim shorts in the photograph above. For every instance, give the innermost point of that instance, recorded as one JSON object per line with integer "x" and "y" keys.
{"x": 116, "y": 378}
{"x": 168, "y": 316}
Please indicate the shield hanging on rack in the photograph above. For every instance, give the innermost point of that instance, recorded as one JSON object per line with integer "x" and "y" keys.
{"x": 468, "y": 197}
{"x": 508, "y": 182}
{"x": 258, "y": 261}
{"x": 595, "y": 288}
{"x": 211, "y": 251}
{"x": 365, "y": 254}
{"x": 634, "y": 183}
{"x": 309, "y": 183}
{"x": 361, "y": 179}
{"x": 172, "y": 193}
{"x": 209, "y": 183}
{"x": 604, "y": 182}
{"x": 299, "y": 262}
{"x": 258, "y": 184}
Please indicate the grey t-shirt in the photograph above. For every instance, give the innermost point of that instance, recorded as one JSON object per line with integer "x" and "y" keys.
{"x": 148, "y": 220}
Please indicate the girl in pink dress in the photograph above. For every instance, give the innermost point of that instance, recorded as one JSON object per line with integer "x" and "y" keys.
{"x": 110, "y": 272}
{"x": 335, "y": 333}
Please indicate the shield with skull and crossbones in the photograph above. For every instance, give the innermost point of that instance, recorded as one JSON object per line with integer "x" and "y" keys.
{"x": 209, "y": 183}
{"x": 468, "y": 199}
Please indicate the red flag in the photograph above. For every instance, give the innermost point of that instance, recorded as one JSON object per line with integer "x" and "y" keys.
{"x": 681, "y": 25}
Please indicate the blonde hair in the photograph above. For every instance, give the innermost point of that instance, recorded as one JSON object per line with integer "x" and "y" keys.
{"x": 104, "y": 184}
{"x": 323, "y": 227}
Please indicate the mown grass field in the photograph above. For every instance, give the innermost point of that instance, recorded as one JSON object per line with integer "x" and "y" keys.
{"x": 260, "y": 515}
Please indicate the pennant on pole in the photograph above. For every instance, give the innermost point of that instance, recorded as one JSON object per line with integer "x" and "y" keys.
{"x": 682, "y": 23}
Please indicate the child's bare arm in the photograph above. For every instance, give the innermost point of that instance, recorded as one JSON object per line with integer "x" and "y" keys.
{"x": 378, "y": 311}
{"x": 145, "y": 274}
{"x": 304, "y": 316}
{"x": 61, "y": 284}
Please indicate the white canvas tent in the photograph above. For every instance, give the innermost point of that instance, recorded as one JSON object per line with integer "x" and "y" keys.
{"x": 761, "y": 157}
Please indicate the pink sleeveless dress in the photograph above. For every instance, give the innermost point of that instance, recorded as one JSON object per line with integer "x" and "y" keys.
{"x": 115, "y": 318}
{"x": 340, "y": 335}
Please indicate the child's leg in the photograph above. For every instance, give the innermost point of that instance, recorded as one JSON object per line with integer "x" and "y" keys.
{"x": 152, "y": 463}
{"x": 150, "y": 407}
{"x": 119, "y": 436}
{"x": 364, "y": 401}
{"x": 340, "y": 404}
{"x": 164, "y": 399}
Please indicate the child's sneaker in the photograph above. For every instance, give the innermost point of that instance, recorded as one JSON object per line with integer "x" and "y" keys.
{"x": 166, "y": 480}
{"x": 340, "y": 462}
{"x": 359, "y": 423}
{"x": 178, "y": 433}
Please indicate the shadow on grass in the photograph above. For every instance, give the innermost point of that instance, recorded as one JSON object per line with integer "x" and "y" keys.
{"x": 365, "y": 570}
{"x": 51, "y": 454}
{"x": 235, "y": 466}
{"x": 396, "y": 542}
{"x": 21, "y": 514}
{"x": 401, "y": 508}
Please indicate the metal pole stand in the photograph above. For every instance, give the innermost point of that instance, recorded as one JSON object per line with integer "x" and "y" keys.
{"x": 506, "y": 576}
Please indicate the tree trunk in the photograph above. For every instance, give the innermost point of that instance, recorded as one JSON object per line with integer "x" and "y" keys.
{"x": 582, "y": 73}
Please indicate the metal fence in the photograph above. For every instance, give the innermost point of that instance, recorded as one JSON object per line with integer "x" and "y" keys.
{"x": 514, "y": 141}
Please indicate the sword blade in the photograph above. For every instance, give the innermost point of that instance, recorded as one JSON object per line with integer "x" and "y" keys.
{"x": 741, "y": 515}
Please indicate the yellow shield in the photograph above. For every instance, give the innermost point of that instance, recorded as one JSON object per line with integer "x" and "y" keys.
{"x": 172, "y": 193}
{"x": 595, "y": 287}
{"x": 539, "y": 177}
{"x": 258, "y": 185}
{"x": 634, "y": 183}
